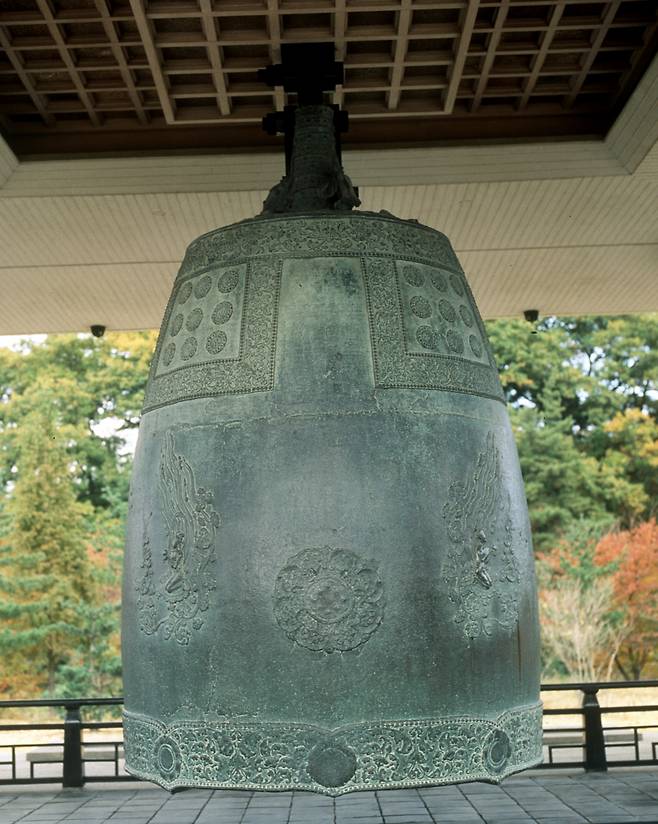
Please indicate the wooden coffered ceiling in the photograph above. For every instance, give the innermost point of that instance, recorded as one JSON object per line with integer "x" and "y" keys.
{"x": 88, "y": 76}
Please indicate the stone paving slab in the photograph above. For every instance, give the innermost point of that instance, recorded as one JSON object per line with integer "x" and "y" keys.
{"x": 616, "y": 797}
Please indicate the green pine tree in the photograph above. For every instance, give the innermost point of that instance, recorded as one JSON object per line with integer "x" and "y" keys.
{"x": 89, "y": 394}
{"x": 44, "y": 570}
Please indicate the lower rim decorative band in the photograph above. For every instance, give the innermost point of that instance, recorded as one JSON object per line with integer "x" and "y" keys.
{"x": 369, "y": 756}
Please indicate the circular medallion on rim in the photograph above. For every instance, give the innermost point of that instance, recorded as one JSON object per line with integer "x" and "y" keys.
{"x": 428, "y": 338}
{"x": 454, "y": 342}
{"x": 439, "y": 281}
{"x": 176, "y": 325}
{"x": 476, "y": 345}
{"x": 496, "y": 751}
{"x": 202, "y": 286}
{"x": 328, "y": 599}
{"x": 168, "y": 757}
{"x": 466, "y": 315}
{"x": 448, "y": 311}
{"x": 228, "y": 280}
{"x": 194, "y": 319}
{"x": 184, "y": 292}
{"x": 216, "y": 342}
{"x": 420, "y": 307}
{"x": 413, "y": 276}
{"x": 168, "y": 353}
{"x": 455, "y": 282}
{"x": 188, "y": 349}
{"x": 331, "y": 764}
{"x": 222, "y": 313}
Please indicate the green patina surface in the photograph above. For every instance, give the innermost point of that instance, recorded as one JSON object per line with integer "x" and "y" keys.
{"x": 329, "y": 581}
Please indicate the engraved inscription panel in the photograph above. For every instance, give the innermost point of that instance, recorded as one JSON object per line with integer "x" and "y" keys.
{"x": 425, "y": 330}
{"x": 205, "y": 319}
{"x": 437, "y": 313}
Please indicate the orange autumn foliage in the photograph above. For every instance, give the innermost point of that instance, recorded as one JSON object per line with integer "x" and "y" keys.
{"x": 632, "y": 556}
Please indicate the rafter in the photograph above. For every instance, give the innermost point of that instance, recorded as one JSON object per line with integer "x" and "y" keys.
{"x": 597, "y": 41}
{"x": 17, "y": 65}
{"x": 467, "y": 24}
{"x": 538, "y": 62}
{"x": 110, "y": 30}
{"x": 274, "y": 28}
{"x": 145, "y": 28}
{"x": 214, "y": 55}
{"x": 487, "y": 63}
{"x": 629, "y": 73}
{"x": 401, "y": 45}
{"x": 340, "y": 27}
{"x": 53, "y": 27}
{"x": 456, "y": 67}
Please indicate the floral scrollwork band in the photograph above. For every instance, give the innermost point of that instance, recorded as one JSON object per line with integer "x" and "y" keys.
{"x": 367, "y": 756}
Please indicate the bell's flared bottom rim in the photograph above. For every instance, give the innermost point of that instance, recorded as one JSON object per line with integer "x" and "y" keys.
{"x": 284, "y": 757}
{"x": 282, "y": 788}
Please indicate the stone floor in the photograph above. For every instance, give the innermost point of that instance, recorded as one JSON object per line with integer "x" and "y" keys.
{"x": 536, "y": 798}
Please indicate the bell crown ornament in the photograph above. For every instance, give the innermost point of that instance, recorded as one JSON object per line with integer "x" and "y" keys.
{"x": 328, "y": 581}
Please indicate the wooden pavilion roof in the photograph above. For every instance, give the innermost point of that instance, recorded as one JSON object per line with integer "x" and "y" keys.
{"x": 88, "y": 76}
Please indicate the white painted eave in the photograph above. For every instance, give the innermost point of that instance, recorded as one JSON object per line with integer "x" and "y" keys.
{"x": 564, "y": 227}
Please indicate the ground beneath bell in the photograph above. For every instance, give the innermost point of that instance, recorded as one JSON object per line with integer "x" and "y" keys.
{"x": 535, "y": 798}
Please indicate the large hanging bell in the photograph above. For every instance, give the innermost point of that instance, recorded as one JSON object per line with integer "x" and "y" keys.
{"x": 329, "y": 581}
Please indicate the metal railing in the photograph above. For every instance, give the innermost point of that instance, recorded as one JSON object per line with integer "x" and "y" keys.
{"x": 593, "y": 738}
{"x": 70, "y": 753}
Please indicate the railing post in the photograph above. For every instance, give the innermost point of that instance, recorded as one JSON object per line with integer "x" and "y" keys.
{"x": 73, "y": 767}
{"x": 595, "y": 758}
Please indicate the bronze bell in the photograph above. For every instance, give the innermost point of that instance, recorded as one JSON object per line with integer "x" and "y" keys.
{"x": 329, "y": 580}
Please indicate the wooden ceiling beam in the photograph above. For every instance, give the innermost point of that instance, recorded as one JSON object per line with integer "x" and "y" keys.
{"x": 430, "y": 58}
{"x": 83, "y": 65}
{"x": 492, "y": 45}
{"x": 82, "y": 138}
{"x": 401, "y": 45}
{"x": 455, "y": 73}
{"x": 513, "y": 49}
{"x": 145, "y": 28}
{"x": 213, "y": 50}
{"x": 110, "y": 30}
{"x": 536, "y": 24}
{"x": 46, "y": 10}
{"x": 172, "y": 11}
{"x": 422, "y": 31}
{"x": 17, "y": 65}
{"x": 538, "y": 60}
{"x": 636, "y": 64}
{"x": 274, "y": 29}
{"x": 186, "y": 65}
{"x": 597, "y": 41}
{"x": 340, "y": 27}
{"x": 55, "y": 88}
{"x": 566, "y": 71}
